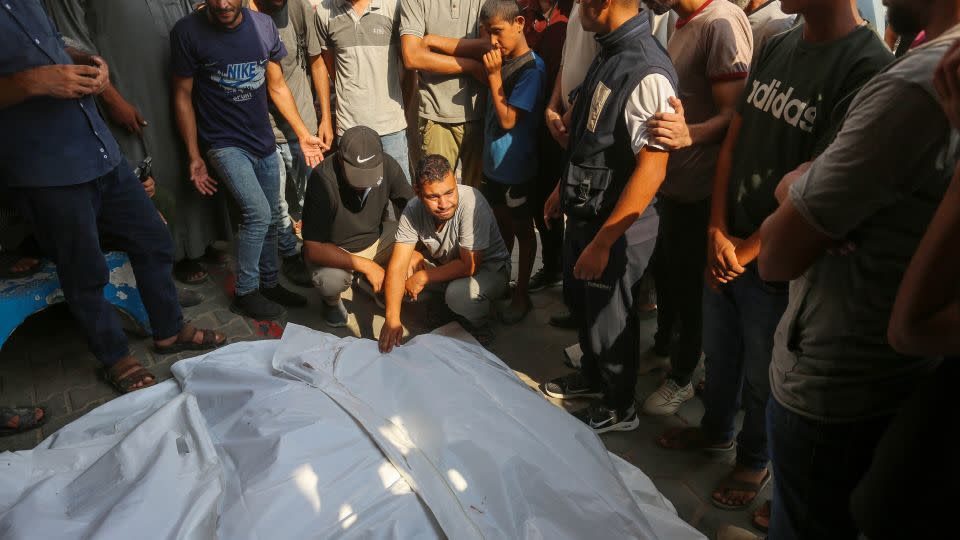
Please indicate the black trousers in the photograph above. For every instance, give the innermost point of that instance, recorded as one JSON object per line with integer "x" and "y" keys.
{"x": 609, "y": 336}
{"x": 550, "y": 168}
{"x": 68, "y": 222}
{"x": 678, "y": 267}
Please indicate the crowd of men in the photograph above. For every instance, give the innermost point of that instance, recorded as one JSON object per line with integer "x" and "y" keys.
{"x": 769, "y": 164}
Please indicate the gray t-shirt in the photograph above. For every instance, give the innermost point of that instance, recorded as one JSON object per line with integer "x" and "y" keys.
{"x": 295, "y": 25}
{"x": 472, "y": 227}
{"x": 447, "y": 99}
{"x": 877, "y": 185}
{"x": 367, "y": 52}
{"x": 767, "y": 21}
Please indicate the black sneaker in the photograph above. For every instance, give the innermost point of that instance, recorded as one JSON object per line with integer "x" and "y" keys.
{"x": 335, "y": 315}
{"x": 256, "y": 306}
{"x": 283, "y": 297}
{"x": 571, "y": 386}
{"x": 565, "y": 320}
{"x": 544, "y": 278}
{"x": 189, "y": 298}
{"x": 296, "y": 271}
{"x": 602, "y": 419}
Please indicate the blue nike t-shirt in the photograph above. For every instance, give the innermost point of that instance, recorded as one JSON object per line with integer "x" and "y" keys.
{"x": 229, "y": 70}
{"x": 510, "y": 156}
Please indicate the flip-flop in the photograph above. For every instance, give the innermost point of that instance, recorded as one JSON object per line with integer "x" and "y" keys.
{"x": 753, "y": 517}
{"x": 28, "y": 419}
{"x": 730, "y": 484}
{"x": 125, "y": 384}
{"x": 207, "y": 342}
{"x": 190, "y": 272}
{"x": 686, "y": 436}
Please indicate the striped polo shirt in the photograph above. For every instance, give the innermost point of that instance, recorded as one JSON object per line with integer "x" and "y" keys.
{"x": 367, "y": 52}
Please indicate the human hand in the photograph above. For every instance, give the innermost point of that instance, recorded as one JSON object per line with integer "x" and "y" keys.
{"x": 556, "y": 126}
{"x": 592, "y": 262}
{"x": 122, "y": 113}
{"x": 65, "y": 81}
{"x": 670, "y": 129}
{"x": 325, "y": 132}
{"x": 103, "y": 74}
{"x": 551, "y": 208}
{"x": 201, "y": 180}
{"x": 150, "y": 187}
{"x": 492, "y": 62}
{"x": 313, "y": 148}
{"x": 415, "y": 284}
{"x": 375, "y": 275}
{"x": 722, "y": 261}
{"x": 416, "y": 264}
{"x": 390, "y": 335}
{"x": 946, "y": 81}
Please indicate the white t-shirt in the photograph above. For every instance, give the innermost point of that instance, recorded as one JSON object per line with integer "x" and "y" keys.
{"x": 648, "y": 98}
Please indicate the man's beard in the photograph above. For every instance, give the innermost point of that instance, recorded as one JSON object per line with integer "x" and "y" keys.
{"x": 902, "y": 21}
{"x": 215, "y": 17}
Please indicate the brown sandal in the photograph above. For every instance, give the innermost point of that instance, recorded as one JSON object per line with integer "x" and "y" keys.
{"x": 132, "y": 374}
{"x": 691, "y": 438}
{"x": 209, "y": 340}
{"x": 729, "y": 483}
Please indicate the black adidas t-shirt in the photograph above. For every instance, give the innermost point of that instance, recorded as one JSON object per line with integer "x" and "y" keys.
{"x": 335, "y": 213}
{"x": 794, "y": 101}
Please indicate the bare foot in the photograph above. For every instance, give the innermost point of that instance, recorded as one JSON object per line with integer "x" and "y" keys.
{"x": 14, "y": 421}
{"x": 740, "y": 497}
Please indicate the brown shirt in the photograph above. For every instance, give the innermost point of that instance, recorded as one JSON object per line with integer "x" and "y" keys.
{"x": 714, "y": 44}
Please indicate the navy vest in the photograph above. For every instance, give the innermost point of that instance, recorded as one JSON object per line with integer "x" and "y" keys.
{"x": 600, "y": 157}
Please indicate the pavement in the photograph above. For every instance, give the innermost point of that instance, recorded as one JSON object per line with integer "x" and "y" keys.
{"x": 46, "y": 362}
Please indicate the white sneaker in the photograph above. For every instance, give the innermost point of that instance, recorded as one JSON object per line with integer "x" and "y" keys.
{"x": 667, "y": 399}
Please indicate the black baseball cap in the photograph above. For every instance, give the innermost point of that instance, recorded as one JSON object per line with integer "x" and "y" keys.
{"x": 362, "y": 156}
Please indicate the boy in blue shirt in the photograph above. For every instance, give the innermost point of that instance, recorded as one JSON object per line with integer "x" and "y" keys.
{"x": 515, "y": 103}
{"x": 516, "y": 76}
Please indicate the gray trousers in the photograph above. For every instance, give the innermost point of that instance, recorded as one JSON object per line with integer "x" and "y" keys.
{"x": 472, "y": 297}
{"x": 332, "y": 282}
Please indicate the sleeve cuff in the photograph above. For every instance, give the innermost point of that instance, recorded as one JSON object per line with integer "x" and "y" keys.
{"x": 796, "y": 197}
{"x": 724, "y": 77}
{"x": 411, "y": 32}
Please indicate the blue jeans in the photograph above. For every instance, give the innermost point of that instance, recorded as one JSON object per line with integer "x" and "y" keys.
{"x": 254, "y": 183}
{"x": 738, "y": 327}
{"x": 68, "y": 222}
{"x": 816, "y": 466}
{"x": 395, "y": 146}
{"x": 294, "y": 173}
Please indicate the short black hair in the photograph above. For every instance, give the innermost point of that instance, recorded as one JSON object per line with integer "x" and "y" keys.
{"x": 431, "y": 168}
{"x": 505, "y": 10}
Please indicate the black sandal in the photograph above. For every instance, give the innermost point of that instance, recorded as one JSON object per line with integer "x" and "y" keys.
{"x": 190, "y": 272}
{"x": 28, "y": 419}
{"x": 127, "y": 373}
{"x": 207, "y": 341}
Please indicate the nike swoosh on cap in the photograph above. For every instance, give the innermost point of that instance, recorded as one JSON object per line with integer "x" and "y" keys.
{"x": 363, "y": 160}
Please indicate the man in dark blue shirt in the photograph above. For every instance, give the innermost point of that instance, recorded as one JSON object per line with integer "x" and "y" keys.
{"x": 70, "y": 180}
{"x": 225, "y": 61}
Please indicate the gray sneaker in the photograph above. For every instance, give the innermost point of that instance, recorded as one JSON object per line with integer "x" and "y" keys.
{"x": 335, "y": 315}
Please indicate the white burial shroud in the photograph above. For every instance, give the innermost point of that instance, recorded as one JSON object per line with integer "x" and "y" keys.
{"x": 315, "y": 436}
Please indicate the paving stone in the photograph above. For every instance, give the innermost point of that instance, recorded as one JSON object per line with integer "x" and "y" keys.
{"x": 224, "y": 316}
{"x": 83, "y": 398}
{"x": 22, "y": 441}
{"x": 55, "y": 405}
{"x": 688, "y": 506}
{"x": 237, "y": 328}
